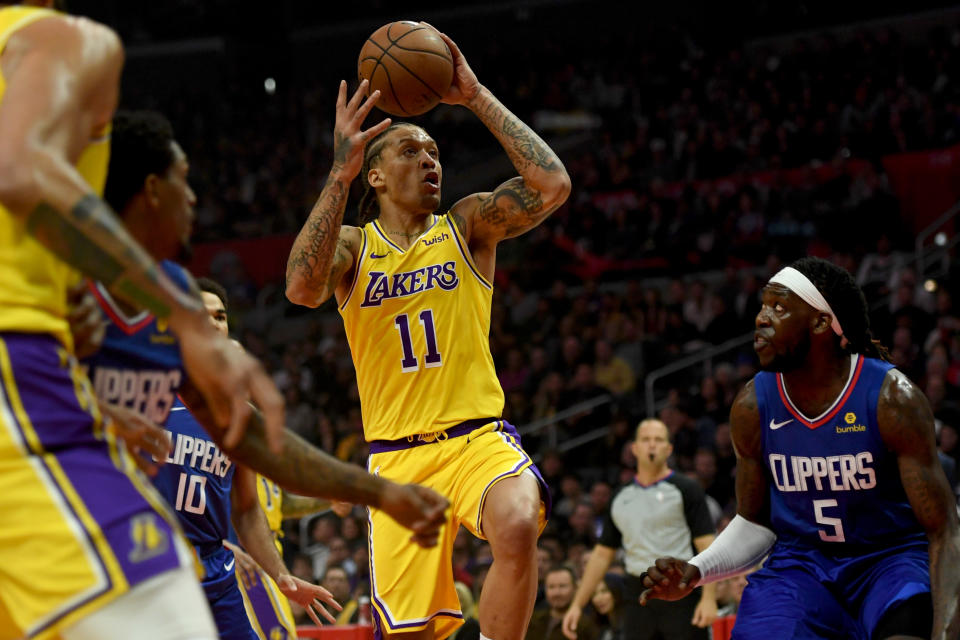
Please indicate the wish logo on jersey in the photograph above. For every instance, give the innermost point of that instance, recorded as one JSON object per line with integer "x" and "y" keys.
{"x": 384, "y": 286}
{"x": 848, "y": 472}
{"x": 148, "y": 392}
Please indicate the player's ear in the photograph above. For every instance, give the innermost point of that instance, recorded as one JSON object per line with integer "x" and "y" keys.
{"x": 375, "y": 177}
{"x": 823, "y": 323}
{"x": 151, "y": 189}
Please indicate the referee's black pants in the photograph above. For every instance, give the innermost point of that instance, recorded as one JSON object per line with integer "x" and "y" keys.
{"x": 659, "y": 619}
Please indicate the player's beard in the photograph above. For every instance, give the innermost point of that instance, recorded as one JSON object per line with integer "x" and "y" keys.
{"x": 792, "y": 359}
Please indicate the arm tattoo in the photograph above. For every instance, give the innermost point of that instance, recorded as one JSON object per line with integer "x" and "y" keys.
{"x": 93, "y": 240}
{"x": 524, "y": 147}
{"x": 514, "y": 207}
{"x": 318, "y": 243}
{"x": 461, "y": 223}
{"x": 305, "y": 469}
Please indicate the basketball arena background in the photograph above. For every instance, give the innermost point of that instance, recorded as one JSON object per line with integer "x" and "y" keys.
{"x": 708, "y": 142}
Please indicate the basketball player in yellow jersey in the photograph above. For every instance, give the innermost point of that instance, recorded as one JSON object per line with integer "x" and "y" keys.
{"x": 414, "y": 288}
{"x": 85, "y": 552}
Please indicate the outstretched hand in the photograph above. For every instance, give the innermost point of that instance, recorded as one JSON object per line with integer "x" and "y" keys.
{"x": 465, "y": 85}
{"x": 309, "y": 596}
{"x": 349, "y": 137}
{"x": 140, "y": 435}
{"x": 419, "y": 509}
{"x": 669, "y": 579}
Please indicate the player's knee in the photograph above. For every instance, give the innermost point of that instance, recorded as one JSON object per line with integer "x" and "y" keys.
{"x": 514, "y": 531}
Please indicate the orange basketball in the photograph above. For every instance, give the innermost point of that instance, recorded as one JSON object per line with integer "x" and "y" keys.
{"x": 410, "y": 64}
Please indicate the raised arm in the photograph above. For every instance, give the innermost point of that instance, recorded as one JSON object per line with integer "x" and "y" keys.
{"x": 324, "y": 251}
{"x": 521, "y": 203}
{"x": 62, "y": 79}
{"x": 906, "y": 425}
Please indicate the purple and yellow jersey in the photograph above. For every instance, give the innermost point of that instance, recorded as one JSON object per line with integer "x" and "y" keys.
{"x": 833, "y": 482}
{"x": 33, "y": 281}
{"x": 418, "y": 324}
{"x": 271, "y": 501}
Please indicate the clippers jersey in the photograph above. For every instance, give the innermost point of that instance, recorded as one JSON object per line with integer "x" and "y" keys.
{"x": 34, "y": 281}
{"x": 832, "y": 479}
{"x": 196, "y": 481}
{"x": 139, "y": 365}
{"x": 418, "y": 324}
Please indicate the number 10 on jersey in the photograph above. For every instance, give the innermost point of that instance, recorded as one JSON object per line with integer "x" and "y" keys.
{"x": 432, "y": 357}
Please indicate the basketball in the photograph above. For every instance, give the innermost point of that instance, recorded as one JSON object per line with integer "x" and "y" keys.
{"x": 410, "y": 64}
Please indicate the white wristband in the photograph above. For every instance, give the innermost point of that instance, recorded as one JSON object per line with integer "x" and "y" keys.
{"x": 738, "y": 547}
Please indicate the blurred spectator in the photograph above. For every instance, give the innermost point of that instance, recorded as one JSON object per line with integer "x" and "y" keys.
{"x": 560, "y": 584}
{"x": 607, "y": 602}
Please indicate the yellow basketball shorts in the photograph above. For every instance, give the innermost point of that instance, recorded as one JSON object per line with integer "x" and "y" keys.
{"x": 79, "y": 525}
{"x": 412, "y": 586}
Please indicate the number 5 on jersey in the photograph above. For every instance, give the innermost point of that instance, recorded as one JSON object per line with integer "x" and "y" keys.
{"x": 432, "y": 357}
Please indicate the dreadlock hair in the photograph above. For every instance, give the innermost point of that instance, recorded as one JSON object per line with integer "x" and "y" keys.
{"x": 846, "y": 299}
{"x": 209, "y": 285}
{"x": 369, "y": 208}
{"x": 140, "y": 145}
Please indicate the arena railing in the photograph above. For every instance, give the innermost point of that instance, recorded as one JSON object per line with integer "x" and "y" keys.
{"x": 941, "y": 246}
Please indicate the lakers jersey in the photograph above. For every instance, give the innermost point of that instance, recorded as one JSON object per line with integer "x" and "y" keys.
{"x": 833, "y": 482}
{"x": 33, "y": 281}
{"x": 271, "y": 500}
{"x": 418, "y": 323}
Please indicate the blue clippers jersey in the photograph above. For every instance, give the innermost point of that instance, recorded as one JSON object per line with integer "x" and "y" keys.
{"x": 832, "y": 480}
{"x": 196, "y": 481}
{"x": 139, "y": 364}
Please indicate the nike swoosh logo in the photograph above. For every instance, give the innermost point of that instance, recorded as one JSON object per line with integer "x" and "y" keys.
{"x": 374, "y": 256}
{"x": 776, "y": 425}
{"x": 229, "y": 565}
{"x": 177, "y": 408}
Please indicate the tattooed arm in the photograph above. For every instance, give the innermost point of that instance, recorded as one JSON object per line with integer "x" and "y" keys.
{"x": 306, "y": 470}
{"x": 324, "y": 251}
{"x": 521, "y": 203}
{"x": 906, "y": 425}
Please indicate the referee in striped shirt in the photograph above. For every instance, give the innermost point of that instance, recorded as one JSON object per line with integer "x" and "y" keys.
{"x": 661, "y": 513}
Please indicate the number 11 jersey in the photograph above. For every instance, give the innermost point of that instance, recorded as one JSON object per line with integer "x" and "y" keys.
{"x": 418, "y": 324}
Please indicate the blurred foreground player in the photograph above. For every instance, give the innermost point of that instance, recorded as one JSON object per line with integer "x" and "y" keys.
{"x": 86, "y": 550}
{"x": 837, "y": 472}
{"x": 414, "y": 289}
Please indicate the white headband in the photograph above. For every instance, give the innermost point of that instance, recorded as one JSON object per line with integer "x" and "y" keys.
{"x": 801, "y": 285}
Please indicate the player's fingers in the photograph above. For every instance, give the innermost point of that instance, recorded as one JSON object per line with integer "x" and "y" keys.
{"x": 239, "y": 414}
{"x": 342, "y": 96}
{"x": 376, "y": 130}
{"x": 313, "y": 615}
{"x": 365, "y": 108}
{"x": 357, "y": 97}
{"x": 689, "y": 573}
{"x": 323, "y": 610}
{"x": 149, "y": 467}
{"x": 644, "y": 596}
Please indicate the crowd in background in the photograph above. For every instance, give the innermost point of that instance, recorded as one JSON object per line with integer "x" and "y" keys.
{"x": 680, "y": 252}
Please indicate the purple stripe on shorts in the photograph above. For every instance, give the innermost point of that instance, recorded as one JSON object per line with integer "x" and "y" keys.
{"x": 267, "y": 616}
{"x": 65, "y": 431}
{"x": 511, "y": 430}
